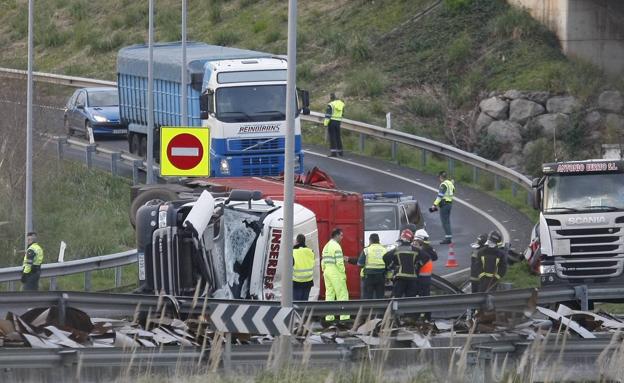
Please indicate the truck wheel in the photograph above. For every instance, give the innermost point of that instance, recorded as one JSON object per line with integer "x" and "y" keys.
{"x": 134, "y": 143}
{"x": 143, "y": 147}
{"x": 151, "y": 196}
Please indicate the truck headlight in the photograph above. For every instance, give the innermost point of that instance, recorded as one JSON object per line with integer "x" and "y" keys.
{"x": 225, "y": 166}
{"x": 548, "y": 269}
{"x": 100, "y": 118}
{"x": 162, "y": 218}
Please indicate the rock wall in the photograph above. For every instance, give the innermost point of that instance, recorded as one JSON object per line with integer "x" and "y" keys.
{"x": 516, "y": 122}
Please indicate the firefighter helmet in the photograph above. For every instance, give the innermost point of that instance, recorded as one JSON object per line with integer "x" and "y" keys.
{"x": 407, "y": 235}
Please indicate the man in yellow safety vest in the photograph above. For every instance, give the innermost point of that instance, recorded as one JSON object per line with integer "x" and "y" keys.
{"x": 334, "y": 272}
{"x": 374, "y": 268}
{"x": 444, "y": 202}
{"x": 333, "y": 117}
{"x": 31, "y": 266}
{"x": 303, "y": 269}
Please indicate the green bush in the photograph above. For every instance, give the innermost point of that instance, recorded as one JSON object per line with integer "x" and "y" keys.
{"x": 273, "y": 36}
{"x": 368, "y": 82}
{"x": 359, "y": 49}
{"x": 457, "y": 5}
{"x": 539, "y": 152}
{"x": 79, "y": 10}
{"x": 215, "y": 11}
{"x": 259, "y": 26}
{"x": 424, "y": 106}
{"x": 489, "y": 148}
{"x": 226, "y": 37}
{"x": 459, "y": 50}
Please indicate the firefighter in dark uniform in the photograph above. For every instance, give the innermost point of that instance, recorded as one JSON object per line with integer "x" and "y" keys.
{"x": 421, "y": 238}
{"x": 493, "y": 262}
{"x": 373, "y": 268}
{"x": 408, "y": 258}
{"x": 31, "y": 266}
{"x": 475, "y": 262}
{"x": 333, "y": 117}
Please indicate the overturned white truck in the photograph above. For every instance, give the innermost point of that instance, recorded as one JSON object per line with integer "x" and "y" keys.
{"x": 227, "y": 247}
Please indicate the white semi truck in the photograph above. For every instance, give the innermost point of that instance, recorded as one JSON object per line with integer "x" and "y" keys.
{"x": 579, "y": 238}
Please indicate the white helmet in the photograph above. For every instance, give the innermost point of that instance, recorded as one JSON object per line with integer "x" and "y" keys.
{"x": 421, "y": 234}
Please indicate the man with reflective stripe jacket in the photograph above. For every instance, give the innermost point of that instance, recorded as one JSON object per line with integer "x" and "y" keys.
{"x": 374, "y": 268}
{"x": 31, "y": 266}
{"x": 475, "y": 262}
{"x": 303, "y": 270}
{"x": 334, "y": 272}
{"x": 444, "y": 202}
{"x": 408, "y": 259}
{"x": 493, "y": 262}
{"x": 333, "y": 117}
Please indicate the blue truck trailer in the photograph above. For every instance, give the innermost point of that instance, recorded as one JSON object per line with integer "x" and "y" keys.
{"x": 240, "y": 95}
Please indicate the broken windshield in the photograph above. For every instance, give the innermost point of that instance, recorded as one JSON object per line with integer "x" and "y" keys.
{"x": 584, "y": 193}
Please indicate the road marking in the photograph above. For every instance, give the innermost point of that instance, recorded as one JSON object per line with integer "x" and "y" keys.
{"x": 487, "y": 216}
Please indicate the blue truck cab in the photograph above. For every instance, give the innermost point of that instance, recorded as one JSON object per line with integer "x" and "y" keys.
{"x": 240, "y": 95}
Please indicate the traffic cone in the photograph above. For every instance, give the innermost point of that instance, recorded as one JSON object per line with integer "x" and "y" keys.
{"x": 451, "y": 261}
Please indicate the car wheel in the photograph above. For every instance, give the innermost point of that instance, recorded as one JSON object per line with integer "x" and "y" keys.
{"x": 68, "y": 128}
{"x": 134, "y": 144}
{"x": 87, "y": 127}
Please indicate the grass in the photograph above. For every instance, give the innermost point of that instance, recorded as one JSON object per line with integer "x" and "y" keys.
{"x": 85, "y": 209}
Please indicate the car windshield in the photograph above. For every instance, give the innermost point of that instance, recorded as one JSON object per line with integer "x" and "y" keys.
{"x": 380, "y": 217}
{"x": 102, "y": 98}
{"x": 584, "y": 193}
{"x": 251, "y": 103}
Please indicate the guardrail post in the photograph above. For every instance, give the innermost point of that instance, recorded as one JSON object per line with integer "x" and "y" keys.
{"x": 362, "y": 138}
{"x": 114, "y": 158}
{"x": 497, "y": 185}
{"x": 423, "y": 158}
{"x": 475, "y": 175}
{"x": 451, "y": 167}
{"x": 62, "y": 308}
{"x": 11, "y": 286}
{"x": 89, "y": 153}
{"x": 52, "y": 283}
{"x": 87, "y": 281}
{"x": 393, "y": 149}
{"x": 60, "y": 143}
{"x": 118, "y": 274}
{"x": 227, "y": 354}
{"x": 135, "y": 171}
{"x": 581, "y": 294}
{"x": 514, "y": 189}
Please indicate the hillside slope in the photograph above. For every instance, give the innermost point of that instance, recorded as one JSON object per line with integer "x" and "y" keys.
{"x": 427, "y": 61}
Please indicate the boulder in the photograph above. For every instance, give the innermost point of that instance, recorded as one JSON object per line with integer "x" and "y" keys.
{"x": 538, "y": 96}
{"x": 615, "y": 122}
{"x": 551, "y": 123}
{"x": 483, "y": 121}
{"x": 562, "y": 104}
{"x": 520, "y": 110}
{"x": 505, "y": 132}
{"x": 611, "y": 101}
{"x": 593, "y": 120}
{"x": 514, "y": 94}
{"x": 495, "y": 108}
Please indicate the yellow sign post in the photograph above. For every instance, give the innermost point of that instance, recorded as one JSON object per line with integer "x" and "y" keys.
{"x": 184, "y": 151}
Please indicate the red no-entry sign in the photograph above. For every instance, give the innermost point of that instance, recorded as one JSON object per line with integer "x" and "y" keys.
{"x": 185, "y": 151}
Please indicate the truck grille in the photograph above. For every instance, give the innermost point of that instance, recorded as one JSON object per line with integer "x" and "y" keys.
{"x": 163, "y": 267}
{"x": 261, "y": 166}
{"x": 255, "y": 144}
{"x": 592, "y": 254}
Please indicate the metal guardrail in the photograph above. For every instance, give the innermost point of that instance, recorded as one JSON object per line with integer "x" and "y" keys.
{"x": 427, "y": 145}
{"x": 28, "y": 358}
{"x": 126, "y": 305}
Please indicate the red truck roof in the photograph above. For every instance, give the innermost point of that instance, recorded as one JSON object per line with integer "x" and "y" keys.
{"x": 333, "y": 208}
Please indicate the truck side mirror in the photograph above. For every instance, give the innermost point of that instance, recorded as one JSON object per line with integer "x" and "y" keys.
{"x": 305, "y": 101}
{"x": 205, "y": 105}
{"x": 536, "y": 193}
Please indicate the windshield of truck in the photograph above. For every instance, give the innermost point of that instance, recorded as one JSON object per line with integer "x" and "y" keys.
{"x": 251, "y": 103}
{"x": 584, "y": 193}
{"x": 103, "y": 98}
{"x": 380, "y": 217}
